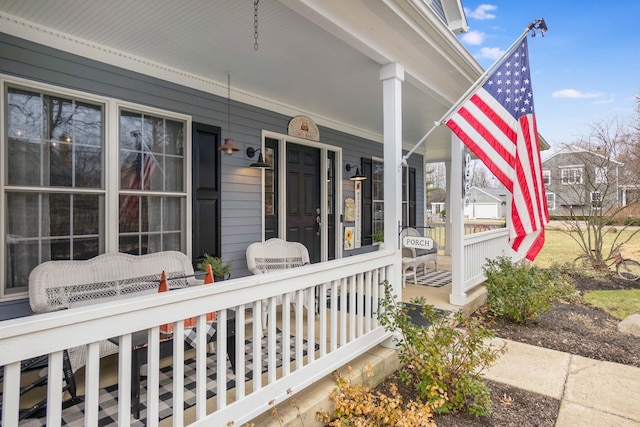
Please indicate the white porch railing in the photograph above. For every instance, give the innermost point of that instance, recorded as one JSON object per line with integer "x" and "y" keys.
{"x": 343, "y": 328}
{"x": 478, "y": 248}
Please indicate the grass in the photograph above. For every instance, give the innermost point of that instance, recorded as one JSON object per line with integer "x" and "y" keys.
{"x": 560, "y": 247}
{"x": 619, "y": 304}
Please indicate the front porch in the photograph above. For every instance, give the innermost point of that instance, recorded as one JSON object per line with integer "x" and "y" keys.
{"x": 333, "y": 329}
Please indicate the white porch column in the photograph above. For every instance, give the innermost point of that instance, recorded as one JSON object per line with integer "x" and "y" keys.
{"x": 456, "y": 214}
{"x": 392, "y": 76}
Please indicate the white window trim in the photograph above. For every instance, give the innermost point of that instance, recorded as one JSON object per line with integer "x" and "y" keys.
{"x": 111, "y": 148}
{"x": 550, "y": 206}
{"x": 564, "y": 169}
{"x": 600, "y": 199}
{"x": 601, "y": 175}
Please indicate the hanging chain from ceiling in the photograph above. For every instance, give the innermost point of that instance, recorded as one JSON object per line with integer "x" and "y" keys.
{"x": 229, "y": 103}
{"x": 255, "y": 24}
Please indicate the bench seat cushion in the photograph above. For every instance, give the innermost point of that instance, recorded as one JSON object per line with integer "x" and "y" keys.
{"x": 421, "y": 252}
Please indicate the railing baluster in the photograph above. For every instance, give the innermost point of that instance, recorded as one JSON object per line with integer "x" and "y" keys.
{"x": 335, "y": 287}
{"x": 368, "y": 294}
{"x": 11, "y": 394}
{"x": 221, "y": 358}
{"x": 178, "y": 375}
{"x": 360, "y": 304}
{"x": 272, "y": 341}
{"x": 54, "y": 389}
{"x": 286, "y": 334}
{"x": 153, "y": 376}
{"x": 312, "y": 309}
{"x": 300, "y": 327}
{"x": 353, "y": 297}
{"x": 201, "y": 366}
{"x": 239, "y": 351}
{"x": 257, "y": 344}
{"x": 124, "y": 380}
{"x": 343, "y": 311}
{"x": 91, "y": 384}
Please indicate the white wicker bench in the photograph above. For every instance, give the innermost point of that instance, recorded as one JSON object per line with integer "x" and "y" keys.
{"x": 58, "y": 285}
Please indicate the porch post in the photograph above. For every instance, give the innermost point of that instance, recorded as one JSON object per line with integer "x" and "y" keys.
{"x": 456, "y": 213}
{"x": 392, "y": 76}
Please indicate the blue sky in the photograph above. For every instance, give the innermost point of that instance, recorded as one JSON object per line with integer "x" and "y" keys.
{"x": 586, "y": 69}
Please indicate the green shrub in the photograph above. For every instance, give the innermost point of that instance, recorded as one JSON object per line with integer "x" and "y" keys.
{"x": 564, "y": 288}
{"x": 519, "y": 291}
{"x": 442, "y": 355}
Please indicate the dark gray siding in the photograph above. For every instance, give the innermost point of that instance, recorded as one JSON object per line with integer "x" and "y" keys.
{"x": 241, "y": 190}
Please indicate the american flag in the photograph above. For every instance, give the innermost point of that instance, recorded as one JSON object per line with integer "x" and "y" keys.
{"x": 497, "y": 123}
{"x": 141, "y": 180}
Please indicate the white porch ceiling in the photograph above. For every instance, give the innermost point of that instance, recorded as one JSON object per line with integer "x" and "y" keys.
{"x": 319, "y": 58}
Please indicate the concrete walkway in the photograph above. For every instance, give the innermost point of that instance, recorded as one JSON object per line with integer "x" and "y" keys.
{"x": 592, "y": 393}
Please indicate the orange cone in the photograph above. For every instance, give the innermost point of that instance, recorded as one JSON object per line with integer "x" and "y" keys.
{"x": 164, "y": 286}
{"x": 208, "y": 278}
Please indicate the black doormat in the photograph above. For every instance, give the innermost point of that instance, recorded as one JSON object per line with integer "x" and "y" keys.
{"x": 414, "y": 311}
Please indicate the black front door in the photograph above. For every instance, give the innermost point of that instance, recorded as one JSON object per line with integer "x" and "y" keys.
{"x": 303, "y": 198}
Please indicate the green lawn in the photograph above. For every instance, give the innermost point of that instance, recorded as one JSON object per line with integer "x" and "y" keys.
{"x": 619, "y": 304}
{"x": 560, "y": 247}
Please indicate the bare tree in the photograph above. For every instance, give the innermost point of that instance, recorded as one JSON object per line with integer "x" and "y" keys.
{"x": 604, "y": 190}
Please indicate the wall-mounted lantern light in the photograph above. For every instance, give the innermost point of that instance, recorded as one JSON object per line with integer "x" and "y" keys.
{"x": 358, "y": 176}
{"x": 260, "y": 164}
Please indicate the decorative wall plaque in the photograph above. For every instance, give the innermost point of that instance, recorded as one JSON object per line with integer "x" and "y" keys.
{"x": 349, "y": 210}
{"x": 304, "y": 127}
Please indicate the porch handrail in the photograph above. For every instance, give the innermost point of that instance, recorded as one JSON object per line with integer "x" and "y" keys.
{"x": 478, "y": 248}
{"x": 56, "y": 331}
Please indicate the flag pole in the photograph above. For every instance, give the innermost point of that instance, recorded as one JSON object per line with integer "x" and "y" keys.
{"x": 538, "y": 24}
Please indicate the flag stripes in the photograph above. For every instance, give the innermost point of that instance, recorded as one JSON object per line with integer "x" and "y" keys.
{"x": 497, "y": 123}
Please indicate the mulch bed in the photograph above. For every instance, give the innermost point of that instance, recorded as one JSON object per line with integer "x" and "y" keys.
{"x": 579, "y": 329}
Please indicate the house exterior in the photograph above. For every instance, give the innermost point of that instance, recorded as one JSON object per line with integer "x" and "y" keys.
{"x": 580, "y": 182}
{"x": 485, "y": 203}
{"x": 113, "y": 119}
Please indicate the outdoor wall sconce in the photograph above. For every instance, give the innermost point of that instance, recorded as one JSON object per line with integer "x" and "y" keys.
{"x": 260, "y": 164}
{"x": 358, "y": 176}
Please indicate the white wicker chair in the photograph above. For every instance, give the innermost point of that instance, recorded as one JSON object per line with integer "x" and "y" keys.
{"x": 274, "y": 255}
{"x": 413, "y": 258}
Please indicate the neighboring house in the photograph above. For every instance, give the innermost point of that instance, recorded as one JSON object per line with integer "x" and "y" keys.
{"x": 485, "y": 203}
{"x": 579, "y": 181}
